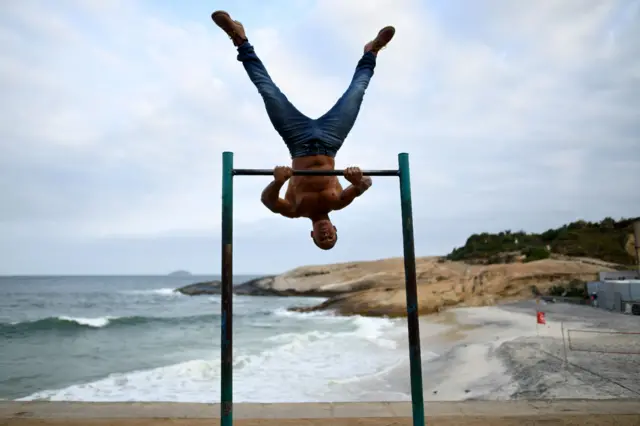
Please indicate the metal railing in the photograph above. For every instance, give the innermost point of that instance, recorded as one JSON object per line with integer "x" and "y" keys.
{"x": 604, "y": 341}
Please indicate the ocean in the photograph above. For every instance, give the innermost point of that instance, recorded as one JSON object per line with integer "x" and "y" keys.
{"x": 110, "y": 338}
{"x": 135, "y": 339}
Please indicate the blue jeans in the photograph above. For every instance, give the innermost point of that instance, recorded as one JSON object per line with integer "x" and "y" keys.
{"x": 303, "y": 135}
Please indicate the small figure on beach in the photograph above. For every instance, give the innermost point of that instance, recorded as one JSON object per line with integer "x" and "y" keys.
{"x": 312, "y": 143}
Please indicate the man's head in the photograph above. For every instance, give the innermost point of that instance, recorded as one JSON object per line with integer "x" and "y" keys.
{"x": 324, "y": 234}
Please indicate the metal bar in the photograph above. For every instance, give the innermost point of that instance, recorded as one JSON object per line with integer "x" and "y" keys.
{"x": 269, "y": 172}
{"x": 415, "y": 361}
{"x": 226, "y": 335}
{"x": 564, "y": 344}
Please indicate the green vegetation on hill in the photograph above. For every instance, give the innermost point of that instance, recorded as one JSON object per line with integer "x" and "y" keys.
{"x": 574, "y": 288}
{"x": 607, "y": 240}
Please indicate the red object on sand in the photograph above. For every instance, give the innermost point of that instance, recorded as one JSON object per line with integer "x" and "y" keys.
{"x": 540, "y": 317}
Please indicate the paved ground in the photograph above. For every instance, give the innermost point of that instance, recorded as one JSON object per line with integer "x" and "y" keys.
{"x": 552, "y": 420}
{"x": 497, "y": 353}
{"x": 558, "y": 412}
{"x": 590, "y": 317}
{"x": 602, "y": 364}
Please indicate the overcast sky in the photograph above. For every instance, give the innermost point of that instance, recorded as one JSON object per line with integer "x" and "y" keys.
{"x": 114, "y": 115}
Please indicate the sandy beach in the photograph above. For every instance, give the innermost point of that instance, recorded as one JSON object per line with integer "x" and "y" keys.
{"x": 499, "y": 353}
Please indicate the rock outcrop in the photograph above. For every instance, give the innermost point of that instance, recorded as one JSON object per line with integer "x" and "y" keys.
{"x": 441, "y": 284}
{"x": 310, "y": 281}
{"x": 197, "y": 289}
{"x": 376, "y": 288}
{"x": 255, "y": 287}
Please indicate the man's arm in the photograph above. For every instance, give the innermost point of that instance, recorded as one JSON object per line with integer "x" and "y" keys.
{"x": 271, "y": 194}
{"x": 352, "y": 192}
{"x": 359, "y": 184}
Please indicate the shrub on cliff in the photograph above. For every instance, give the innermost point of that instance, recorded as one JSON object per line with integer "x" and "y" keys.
{"x": 536, "y": 253}
{"x": 603, "y": 240}
{"x": 574, "y": 288}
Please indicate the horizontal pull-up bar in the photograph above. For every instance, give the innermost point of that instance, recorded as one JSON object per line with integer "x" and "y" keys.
{"x": 402, "y": 157}
{"x": 267, "y": 172}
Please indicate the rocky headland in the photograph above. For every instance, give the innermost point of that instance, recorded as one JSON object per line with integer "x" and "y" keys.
{"x": 254, "y": 287}
{"x": 488, "y": 269}
{"x": 376, "y": 288}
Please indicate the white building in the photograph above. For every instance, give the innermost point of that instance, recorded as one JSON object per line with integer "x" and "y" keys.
{"x": 617, "y": 291}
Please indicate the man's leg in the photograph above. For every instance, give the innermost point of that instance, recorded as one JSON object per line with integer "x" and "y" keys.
{"x": 336, "y": 124}
{"x": 291, "y": 124}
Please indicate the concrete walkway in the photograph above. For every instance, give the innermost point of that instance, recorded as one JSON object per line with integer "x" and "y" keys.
{"x": 144, "y": 410}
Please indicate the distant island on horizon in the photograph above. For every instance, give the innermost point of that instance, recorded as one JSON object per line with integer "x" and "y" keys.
{"x": 180, "y": 273}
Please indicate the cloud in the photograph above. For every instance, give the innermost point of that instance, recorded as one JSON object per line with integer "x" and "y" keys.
{"x": 114, "y": 116}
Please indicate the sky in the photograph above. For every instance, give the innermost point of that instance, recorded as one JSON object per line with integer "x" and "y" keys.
{"x": 114, "y": 115}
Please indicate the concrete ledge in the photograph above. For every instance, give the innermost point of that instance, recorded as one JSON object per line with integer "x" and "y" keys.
{"x": 359, "y": 410}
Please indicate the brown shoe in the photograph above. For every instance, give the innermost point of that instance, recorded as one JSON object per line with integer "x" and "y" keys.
{"x": 380, "y": 42}
{"x": 234, "y": 29}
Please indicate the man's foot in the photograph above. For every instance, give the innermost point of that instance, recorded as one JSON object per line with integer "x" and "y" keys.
{"x": 380, "y": 42}
{"x": 234, "y": 29}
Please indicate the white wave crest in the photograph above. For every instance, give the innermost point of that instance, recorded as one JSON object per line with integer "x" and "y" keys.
{"x": 289, "y": 367}
{"x": 154, "y": 291}
{"x": 98, "y": 322}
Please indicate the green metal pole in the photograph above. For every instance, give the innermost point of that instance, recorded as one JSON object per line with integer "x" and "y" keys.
{"x": 415, "y": 361}
{"x": 226, "y": 371}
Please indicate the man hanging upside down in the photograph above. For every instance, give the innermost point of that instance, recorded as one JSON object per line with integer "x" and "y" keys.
{"x": 313, "y": 144}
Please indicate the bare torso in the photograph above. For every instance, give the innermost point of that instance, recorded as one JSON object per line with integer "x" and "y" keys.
{"x": 313, "y": 195}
